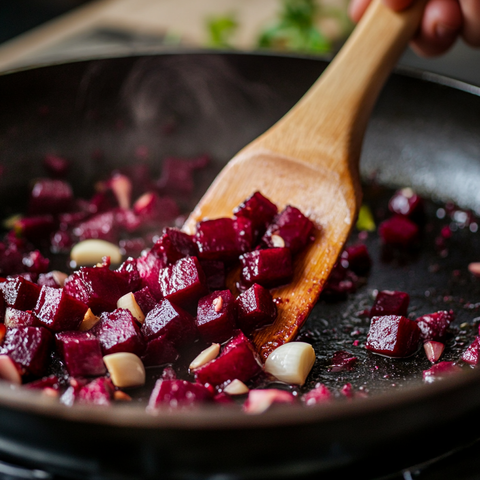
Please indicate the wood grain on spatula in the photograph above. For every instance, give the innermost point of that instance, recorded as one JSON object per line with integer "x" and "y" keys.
{"x": 309, "y": 159}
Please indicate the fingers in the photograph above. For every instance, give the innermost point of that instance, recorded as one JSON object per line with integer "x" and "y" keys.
{"x": 357, "y": 8}
{"x": 441, "y": 25}
{"x": 471, "y": 27}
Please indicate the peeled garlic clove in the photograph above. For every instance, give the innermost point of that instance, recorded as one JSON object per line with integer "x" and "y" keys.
{"x": 126, "y": 369}
{"x": 128, "y": 302}
{"x": 89, "y": 321}
{"x": 91, "y": 252}
{"x": 236, "y": 387}
{"x": 9, "y": 370}
{"x": 291, "y": 362}
{"x": 205, "y": 356}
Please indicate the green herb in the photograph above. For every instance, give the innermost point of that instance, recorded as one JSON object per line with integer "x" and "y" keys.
{"x": 221, "y": 30}
{"x": 365, "y": 219}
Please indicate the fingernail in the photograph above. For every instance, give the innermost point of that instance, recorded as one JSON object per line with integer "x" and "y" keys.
{"x": 445, "y": 32}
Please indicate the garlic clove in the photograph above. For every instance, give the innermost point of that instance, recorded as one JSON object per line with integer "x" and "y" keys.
{"x": 291, "y": 362}
{"x": 128, "y": 302}
{"x": 89, "y": 321}
{"x": 91, "y": 252}
{"x": 236, "y": 387}
{"x": 126, "y": 369}
{"x": 205, "y": 356}
{"x": 9, "y": 370}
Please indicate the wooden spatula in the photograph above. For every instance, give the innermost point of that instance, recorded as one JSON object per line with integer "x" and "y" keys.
{"x": 309, "y": 159}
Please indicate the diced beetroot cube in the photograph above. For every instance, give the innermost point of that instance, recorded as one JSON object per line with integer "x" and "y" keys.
{"x": 81, "y": 353}
{"x": 102, "y": 226}
{"x": 169, "y": 373}
{"x": 51, "y": 279}
{"x": 145, "y": 300}
{"x": 183, "y": 283}
{"x": 35, "y": 262}
{"x": 97, "y": 392}
{"x": 342, "y": 361}
{"x": 215, "y": 274}
{"x": 153, "y": 209}
{"x": 20, "y": 293}
{"x": 434, "y": 326}
{"x": 51, "y": 381}
{"x": 291, "y": 227}
{"x": 270, "y": 268}
{"x": 399, "y": 231}
{"x": 149, "y": 267}
{"x": 159, "y": 351}
{"x": 433, "y": 350}
{"x": 58, "y": 311}
{"x": 216, "y": 316}
{"x": 62, "y": 241}
{"x": 50, "y": 196}
{"x": 11, "y": 260}
{"x": 259, "y": 401}
{"x": 177, "y": 176}
{"x": 238, "y": 360}
{"x": 98, "y": 287}
{"x": 319, "y": 394}
{"x": 132, "y": 247}
{"x": 127, "y": 220}
{"x": 35, "y": 228}
{"x": 390, "y": 303}
{"x": 472, "y": 353}
{"x": 56, "y": 166}
{"x": 358, "y": 259}
{"x": 245, "y": 234}
{"x": 129, "y": 272}
{"x": 174, "y": 245}
{"x": 340, "y": 283}
{"x": 393, "y": 336}
{"x": 118, "y": 331}
{"x": 178, "y": 394}
{"x": 406, "y": 202}
{"x": 255, "y": 308}
{"x": 223, "y": 399}
{"x": 440, "y": 371}
{"x": 259, "y": 209}
{"x": 19, "y": 318}
{"x": 29, "y": 347}
{"x": 171, "y": 321}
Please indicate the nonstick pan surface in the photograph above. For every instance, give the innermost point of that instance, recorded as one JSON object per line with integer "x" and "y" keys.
{"x": 424, "y": 133}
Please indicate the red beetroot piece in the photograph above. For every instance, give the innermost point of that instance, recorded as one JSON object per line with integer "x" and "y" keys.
{"x": 472, "y": 353}
{"x": 238, "y": 360}
{"x": 340, "y": 283}
{"x": 56, "y": 166}
{"x": 51, "y": 381}
{"x": 319, "y": 394}
{"x": 11, "y": 260}
{"x": 393, "y": 336}
{"x": 118, "y": 331}
{"x": 440, "y": 371}
{"x": 97, "y": 392}
{"x": 177, "y": 176}
{"x": 292, "y": 227}
{"x": 406, "y": 202}
{"x": 399, "y": 232}
{"x": 145, "y": 300}
{"x": 159, "y": 351}
{"x": 215, "y": 274}
{"x": 259, "y": 401}
{"x": 433, "y": 350}
{"x": 20, "y": 293}
{"x": 50, "y": 197}
{"x": 81, "y": 353}
{"x": 152, "y": 209}
{"x": 103, "y": 226}
{"x": 174, "y": 245}
{"x": 29, "y": 347}
{"x": 259, "y": 209}
{"x": 61, "y": 241}
{"x": 35, "y": 262}
{"x": 357, "y": 259}
{"x": 19, "y": 318}
{"x": 173, "y": 322}
{"x": 434, "y": 326}
{"x": 58, "y": 311}
{"x": 342, "y": 361}
{"x": 183, "y": 283}
{"x": 216, "y": 316}
{"x": 178, "y": 394}
{"x": 149, "y": 267}
{"x": 35, "y": 228}
{"x": 270, "y": 268}
{"x": 126, "y": 220}
{"x": 390, "y": 303}
{"x": 129, "y": 272}
{"x": 255, "y": 308}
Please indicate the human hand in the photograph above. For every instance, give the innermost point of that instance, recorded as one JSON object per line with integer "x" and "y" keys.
{"x": 443, "y": 22}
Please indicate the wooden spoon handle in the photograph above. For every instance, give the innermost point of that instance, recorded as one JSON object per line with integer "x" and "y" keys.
{"x": 332, "y": 117}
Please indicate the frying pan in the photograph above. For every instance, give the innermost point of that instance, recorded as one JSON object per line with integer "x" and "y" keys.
{"x": 424, "y": 133}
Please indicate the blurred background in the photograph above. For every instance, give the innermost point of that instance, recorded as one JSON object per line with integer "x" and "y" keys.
{"x": 41, "y": 31}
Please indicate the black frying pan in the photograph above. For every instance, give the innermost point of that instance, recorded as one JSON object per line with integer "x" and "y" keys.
{"x": 423, "y": 133}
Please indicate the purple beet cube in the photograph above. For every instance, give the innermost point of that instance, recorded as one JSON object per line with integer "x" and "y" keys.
{"x": 472, "y": 354}
{"x": 81, "y": 353}
{"x": 177, "y": 176}
{"x": 35, "y": 228}
{"x": 174, "y": 245}
{"x": 159, "y": 351}
{"x": 390, "y": 303}
{"x": 393, "y": 336}
{"x": 406, "y": 202}
{"x": 399, "y": 232}
{"x": 245, "y": 234}
{"x": 216, "y": 316}
{"x": 51, "y": 381}
{"x": 97, "y": 392}
{"x": 434, "y": 326}
{"x": 340, "y": 283}
{"x": 129, "y": 272}
{"x": 255, "y": 308}
{"x": 291, "y": 228}
{"x": 171, "y": 321}
{"x": 270, "y": 268}
{"x": 50, "y": 196}
{"x": 183, "y": 283}
{"x": 103, "y": 226}
{"x": 259, "y": 209}
{"x": 238, "y": 360}
{"x": 149, "y": 267}
{"x": 118, "y": 331}
{"x": 145, "y": 300}
{"x": 439, "y": 371}
{"x": 19, "y": 318}
{"x": 153, "y": 209}
{"x": 358, "y": 259}
{"x": 20, "y": 293}
{"x": 29, "y": 347}
{"x": 178, "y": 394}
{"x": 56, "y": 166}
{"x": 342, "y": 361}
{"x": 215, "y": 274}
{"x": 58, "y": 311}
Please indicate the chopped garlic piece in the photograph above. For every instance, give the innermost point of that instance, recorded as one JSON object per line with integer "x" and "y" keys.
{"x": 126, "y": 369}
{"x": 9, "y": 371}
{"x": 59, "y": 277}
{"x": 128, "y": 302}
{"x": 91, "y": 252}
{"x": 205, "y": 356}
{"x": 278, "y": 241}
{"x": 89, "y": 321}
{"x": 291, "y": 362}
{"x": 236, "y": 387}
